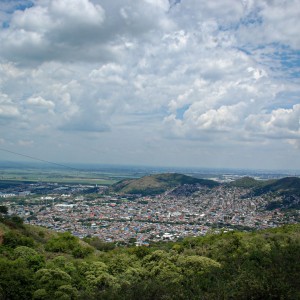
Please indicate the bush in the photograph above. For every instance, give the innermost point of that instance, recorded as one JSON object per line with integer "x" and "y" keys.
{"x": 13, "y": 239}
{"x": 82, "y": 252}
{"x": 64, "y": 242}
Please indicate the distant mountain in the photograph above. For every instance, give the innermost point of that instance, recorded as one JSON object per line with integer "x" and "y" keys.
{"x": 249, "y": 182}
{"x": 158, "y": 183}
{"x": 283, "y": 186}
{"x": 186, "y": 185}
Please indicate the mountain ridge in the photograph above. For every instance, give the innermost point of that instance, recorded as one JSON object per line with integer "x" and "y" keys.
{"x": 158, "y": 183}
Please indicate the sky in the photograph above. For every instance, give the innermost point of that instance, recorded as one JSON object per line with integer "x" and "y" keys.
{"x": 151, "y": 82}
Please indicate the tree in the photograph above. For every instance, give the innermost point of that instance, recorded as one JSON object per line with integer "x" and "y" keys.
{"x": 82, "y": 252}
{"x": 33, "y": 260}
{"x": 97, "y": 282}
{"x": 3, "y": 209}
{"x": 99, "y": 244}
{"x": 16, "y": 280}
{"x": 64, "y": 242}
{"x": 54, "y": 284}
{"x": 14, "y": 238}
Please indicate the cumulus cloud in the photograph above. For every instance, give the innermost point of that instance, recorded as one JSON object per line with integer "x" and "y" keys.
{"x": 227, "y": 119}
{"x": 115, "y": 72}
{"x": 48, "y": 30}
{"x": 108, "y": 74}
{"x": 223, "y": 118}
{"x": 79, "y": 30}
{"x": 279, "y": 124}
{"x": 280, "y": 22}
{"x": 41, "y": 102}
{"x": 8, "y": 111}
{"x": 7, "y": 108}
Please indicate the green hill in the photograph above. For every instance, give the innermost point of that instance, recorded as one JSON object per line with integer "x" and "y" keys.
{"x": 283, "y": 186}
{"x": 39, "y": 264}
{"x": 158, "y": 183}
{"x": 288, "y": 188}
{"x": 249, "y": 182}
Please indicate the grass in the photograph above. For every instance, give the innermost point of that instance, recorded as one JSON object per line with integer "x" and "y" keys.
{"x": 20, "y": 176}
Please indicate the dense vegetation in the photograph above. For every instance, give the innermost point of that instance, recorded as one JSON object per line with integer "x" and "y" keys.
{"x": 38, "y": 264}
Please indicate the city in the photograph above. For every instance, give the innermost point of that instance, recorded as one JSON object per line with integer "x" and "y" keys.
{"x": 96, "y": 211}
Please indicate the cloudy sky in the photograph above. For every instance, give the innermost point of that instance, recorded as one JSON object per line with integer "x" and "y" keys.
{"x": 151, "y": 82}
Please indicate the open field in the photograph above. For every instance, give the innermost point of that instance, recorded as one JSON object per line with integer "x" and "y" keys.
{"x": 59, "y": 176}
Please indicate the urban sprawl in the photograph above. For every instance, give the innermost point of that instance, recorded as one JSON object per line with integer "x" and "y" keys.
{"x": 94, "y": 211}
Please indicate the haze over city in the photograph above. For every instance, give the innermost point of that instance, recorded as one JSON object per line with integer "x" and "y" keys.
{"x": 151, "y": 82}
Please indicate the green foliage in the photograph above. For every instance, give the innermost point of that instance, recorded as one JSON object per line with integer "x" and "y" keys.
{"x": 81, "y": 251}
{"x": 67, "y": 243}
{"x": 96, "y": 280}
{"x": 33, "y": 260}
{"x": 140, "y": 251}
{"x": 16, "y": 280}
{"x": 66, "y": 292}
{"x": 54, "y": 284}
{"x": 64, "y": 242}
{"x": 17, "y": 220}
{"x": 249, "y": 182}
{"x": 63, "y": 264}
{"x": 99, "y": 244}
{"x": 119, "y": 263}
{"x": 14, "y": 238}
{"x": 51, "y": 279}
{"x": 197, "y": 264}
{"x": 14, "y": 222}
{"x": 3, "y": 209}
{"x": 233, "y": 265}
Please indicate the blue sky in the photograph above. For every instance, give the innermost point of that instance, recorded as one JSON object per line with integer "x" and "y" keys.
{"x": 152, "y": 82}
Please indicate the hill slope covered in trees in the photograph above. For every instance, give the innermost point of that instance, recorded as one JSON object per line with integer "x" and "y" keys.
{"x": 39, "y": 264}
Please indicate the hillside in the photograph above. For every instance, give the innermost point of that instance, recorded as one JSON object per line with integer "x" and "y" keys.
{"x": 249, "y": 182}
{"x": 288, "y": 188}
{"x": 283, "y": 186}
{"x": 39, "y": 264}
{"x": 158, "y": 183}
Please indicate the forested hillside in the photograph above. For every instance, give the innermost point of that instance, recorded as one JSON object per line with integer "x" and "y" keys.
{"x": 39, "y": 264}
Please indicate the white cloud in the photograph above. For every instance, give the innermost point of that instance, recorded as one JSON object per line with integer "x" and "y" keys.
{"x": 82, "y": 11}
{"x": 8, "y": 111}
{"x": 108, "y": 74}
{"x": 55, "y": 30}
{"x": 7, "y": 108}
{"x": 280, "y": 123}
{"x": 281, "y": 21}
{"x": 41, "y": 102}
{"x": 209, "y": 74}
{"x": 223, "y": 118}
